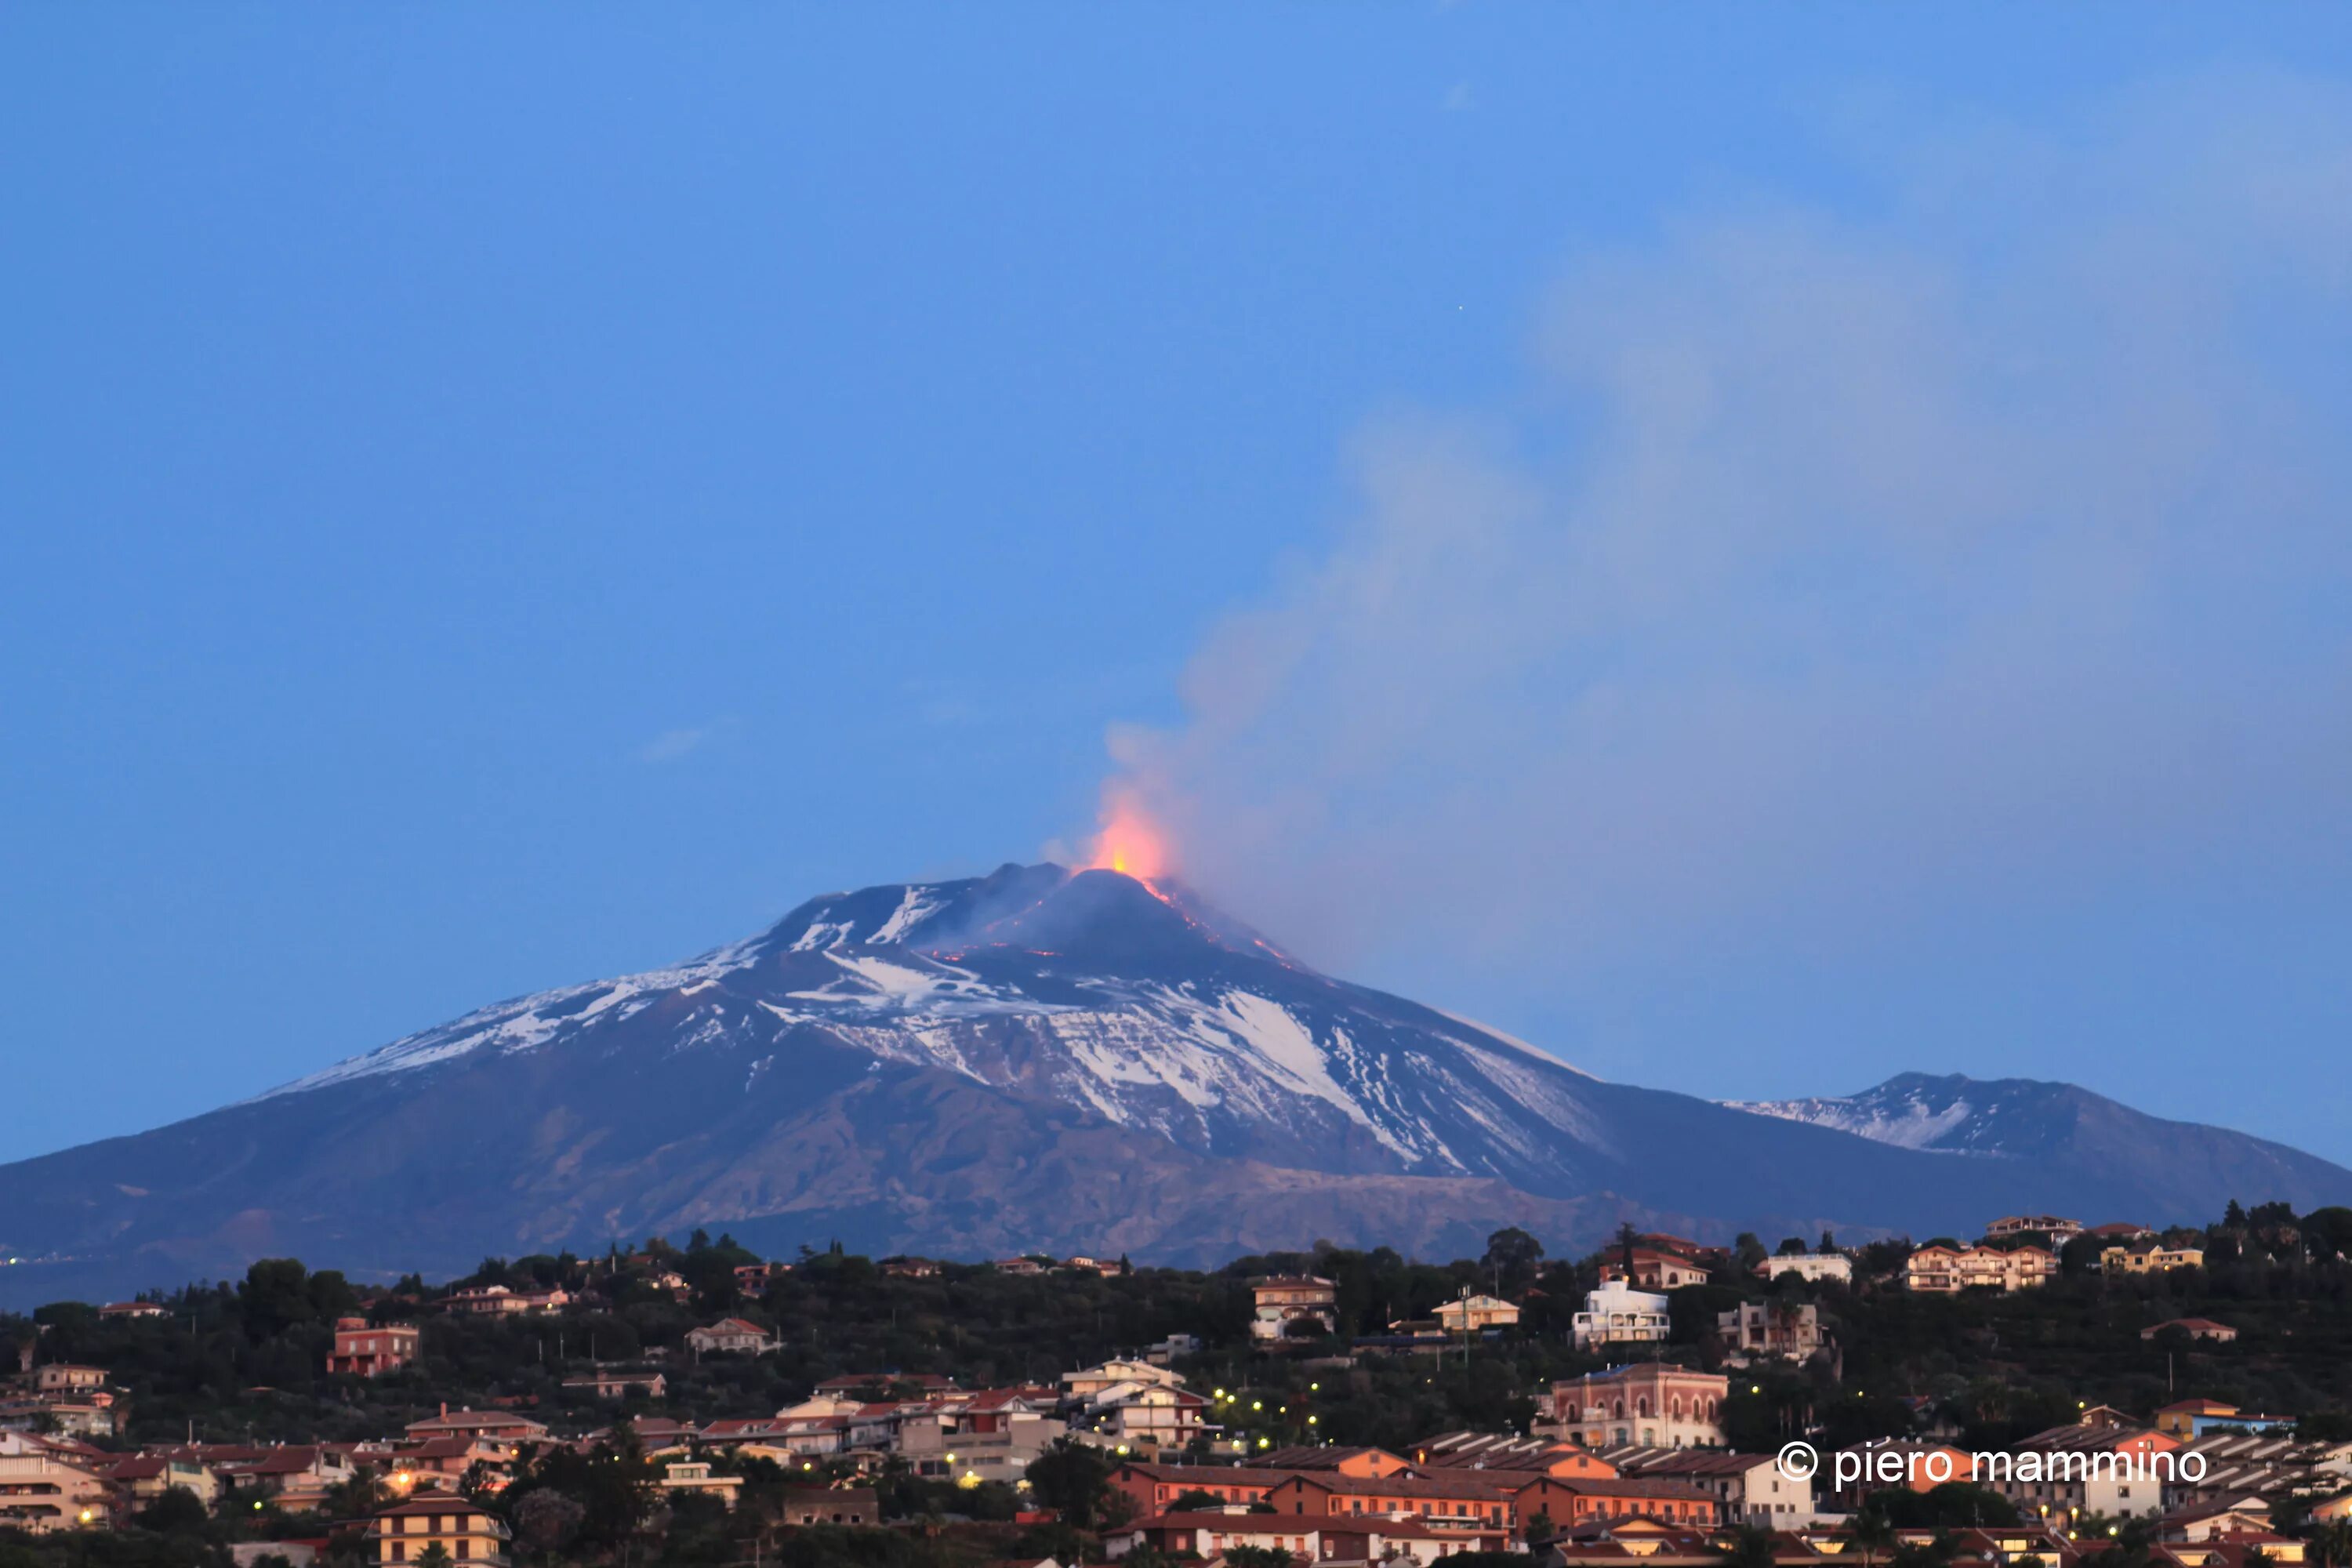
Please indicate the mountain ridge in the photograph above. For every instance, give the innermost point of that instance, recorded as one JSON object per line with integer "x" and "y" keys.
{"x": 1077, "y": 1061}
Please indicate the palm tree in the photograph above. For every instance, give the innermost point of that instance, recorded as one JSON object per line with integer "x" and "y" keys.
{"x": 1871, "y": 1534}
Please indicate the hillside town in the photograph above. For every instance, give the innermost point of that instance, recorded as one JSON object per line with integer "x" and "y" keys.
{"x": 667, "y": 1404}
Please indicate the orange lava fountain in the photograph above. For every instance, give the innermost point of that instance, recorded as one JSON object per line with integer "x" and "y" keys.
{"x": 1130, "y": 842}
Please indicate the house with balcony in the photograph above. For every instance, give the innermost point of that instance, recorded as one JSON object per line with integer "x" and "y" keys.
{"x": 363, "y": 1350}
{"x": 1617, "y": 1314}
{"x": 1280, "y": 1300}
{"x": 464, "y": 1533}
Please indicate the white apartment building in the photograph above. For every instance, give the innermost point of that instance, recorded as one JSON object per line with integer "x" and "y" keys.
{"x": 1617, "y": 1314}
{"x": 1814, "y": 1265}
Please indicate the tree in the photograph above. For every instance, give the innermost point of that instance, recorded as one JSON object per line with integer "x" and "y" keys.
{"x": 1749, "y": 1546}
{"x": 545, "y": 1523}
{"x": 1072, "y": 1478}
{"x": 1257, "y": 1557}
{"x": 1511, "y": 1258}
{"x": 1870, "y": 1534}
{"x": 177, "y": 1511}
{"x": 1748, "y": 1251}
{"x": 435, "y": 1555}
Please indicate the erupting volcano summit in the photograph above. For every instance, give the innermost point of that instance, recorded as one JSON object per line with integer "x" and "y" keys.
{"x": 1036, "y": 1059}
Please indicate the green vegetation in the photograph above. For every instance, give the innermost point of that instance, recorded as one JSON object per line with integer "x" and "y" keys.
{"x": 244, "y": 1362}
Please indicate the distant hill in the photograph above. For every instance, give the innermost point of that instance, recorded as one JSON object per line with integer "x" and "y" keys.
{"x": 2171, "y": 1168}
{"x": 1037, "y": 1058}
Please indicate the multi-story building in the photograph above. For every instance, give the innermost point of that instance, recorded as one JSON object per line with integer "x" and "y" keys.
{"x": 464, "y": 1533}
{"x": 1282, "y": 1299}
{"x": 362, "y": 1349}
{"x": 2058, "y": 1229}
{"x": 1651, "y": 1403}
{"x": 1814, "y": 1265}
{"x": 1942, "y": 1270}
{"x": 41, "y": 1491}
{"x": 1790, "y": 1329}
{"x": 2148, "y": 1257}
{"x": 1617, "y": 1314}
{"x": 729, "y": 1336}
{"x": 496, "y": 1300}
{"x": 2076, "y": 1469}
{"x": 1655, "y": 1270}
{"x": 1475, "y": 1314}
{"x": 1748, "y": 1489}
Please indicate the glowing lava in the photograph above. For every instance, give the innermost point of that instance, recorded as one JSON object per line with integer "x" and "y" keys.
{"x": 1130, "y": 842}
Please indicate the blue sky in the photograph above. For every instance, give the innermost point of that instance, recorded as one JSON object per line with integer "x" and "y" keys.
{"x": 1756, "y": 548}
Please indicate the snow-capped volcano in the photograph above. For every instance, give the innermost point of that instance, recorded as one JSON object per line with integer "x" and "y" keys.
{"x": 1135, "y": 999}
{"x": 1034, "y": 1059}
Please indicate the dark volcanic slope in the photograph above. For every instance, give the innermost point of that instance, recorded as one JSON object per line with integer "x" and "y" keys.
{"x": 1030, "y": 1059}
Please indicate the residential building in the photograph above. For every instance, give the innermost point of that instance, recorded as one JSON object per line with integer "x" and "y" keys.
{"x": 502, "y": 1426}
{"x": 1944, "y": 1270}
{"x": 1340, "y": 1460}
{"x": 1653, "y": 1270}
{"x": 361, "y": 1350}
{"x": 2195, "y": 1328}
{"x": 66, "y": 1378}
{"x": 464, "y": 1533}
{"x": 2148, "y": 1256}
{"x": 2195, "y": 1417}
{"x": 1887, "y": 1463}
{"x": 752, "y": 1279}
{"x": 1088, "y": 1382}
{"x": 1149, "y": 1418}
{"x": 2059, "y": 1230}
{"x": 1283, "y": 1299}
{"x": 1475, "y": 1314}
{"x": 993, "y": 1436}
{"x": 1493, "y": 1451}
{"x": 143, "y": 1478}
{"x": 831, "y": 1505}
{"x": 1651, "y": 1403}
{"x": 1748, "y": 1489}
{"x": 618, "y": 1382}
{"x": 1569, "y": 1502}
{"x": 1812, "y": 1266}
{"x": 1790, "y": 1330}
{"x": 1617, "y": 1314}
{"x": 1447, "y": 1503}
{"x": 132, "y": 1310}
{"x": 1153, "y": 1486}
{"x": 1356, "y": 1539}
{"x": 2101, "y": 1469}
{"x": 496, "y": 1300}
{"x": 729, "y": 1336}
{"x": 695, "y": 1476}
{"x": 910, "y": 1267}
{"x": 41, "y": 1491}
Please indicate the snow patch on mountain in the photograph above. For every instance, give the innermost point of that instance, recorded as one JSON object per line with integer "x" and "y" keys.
{"x": 1908, "y": 1120}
